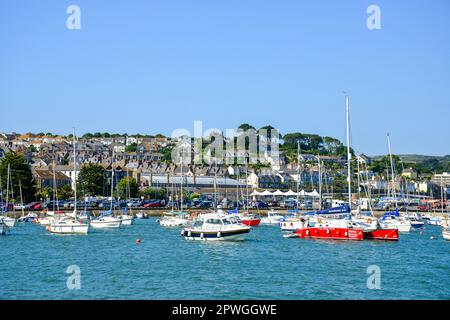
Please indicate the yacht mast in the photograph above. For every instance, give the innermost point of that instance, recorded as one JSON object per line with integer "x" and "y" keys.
{"x": 349, "y": 176}
{"x": 74, "y": 172}
{"x": 21, "y": 199}
{"x": 7, "y": 188}
{"x": 1, "y": 195}
{"x": 112, "y": 181}
{"x": 181, "y": 184}
{"x": 392, "y": 172}
{"x": 320, "y": 183}
{"x": 442, "y": 194}
{"x": 298, "y": 173}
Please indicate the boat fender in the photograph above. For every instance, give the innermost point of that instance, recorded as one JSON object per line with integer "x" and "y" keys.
{"x": 189, "y": 233}
{"x": 328, "y": 231}
{"x": 182, "y": 233}
{"x": 346, "y": 233}
{"x": 219, "y": 234}
{"x": 202, "y": 236}
{"x": 307, "y": 232}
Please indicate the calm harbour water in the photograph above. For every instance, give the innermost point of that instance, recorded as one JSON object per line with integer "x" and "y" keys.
{"x": 33, "y": 265}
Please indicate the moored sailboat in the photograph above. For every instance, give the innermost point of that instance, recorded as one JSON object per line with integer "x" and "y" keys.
{"x": 65, "y": 224}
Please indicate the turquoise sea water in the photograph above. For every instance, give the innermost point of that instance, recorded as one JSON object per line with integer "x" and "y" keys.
{"x": 33, "y": 265}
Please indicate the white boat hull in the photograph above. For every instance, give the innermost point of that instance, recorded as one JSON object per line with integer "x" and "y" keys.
{"x": 126, "y": 220}
{"x": 69, "y": 228}
{"x": 3, "y": 229}
{"x": 288, "y": 226}
{"x": 173, "y": 223}
{"x": 105, "y": 224}
{"x": 446, "y": 234}
{"x": 234, "y": 237}
{"x": 10, "y": 222}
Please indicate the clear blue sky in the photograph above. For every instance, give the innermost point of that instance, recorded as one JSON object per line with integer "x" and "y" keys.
{"x": 154, "y": 66}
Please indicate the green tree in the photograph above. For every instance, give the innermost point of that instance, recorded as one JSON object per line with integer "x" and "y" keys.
{"x": 91, "y": 179}
{"x": 65, "y": 192}
{"x": 167, "y": 154}
{"x": 131, "y": 147}
{"x": 87, "y": 135}
{"x": 32, "y": 148}
{"x": 151, "y": 193}
{"x": 20, "y": 171}
{"x": 133, "y": 188}
{"x": 246, "y": 126}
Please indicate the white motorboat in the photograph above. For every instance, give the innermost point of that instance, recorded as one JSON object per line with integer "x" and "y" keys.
{"x": 106, "y": 222}
{"x": 68, "y": 225}
{"x": 273, "y": 217}
{"x": 28, "y": 218}
{"x": 45, "y": 221}
{"x": 3, "y": 228}
{"x": 291, "y": 222}
{"x": 395, "y": 222}
{"x": 415, "y": 219}
{"x": 175, "y": 219}
{"x": 141, "y": 215}
{"x": 446, "y": 234}
{"x": 435, "y": 221}
{"x": 8, "y": 221}
{"x": 126, "y": 219}
{"x": 216, "y": 227}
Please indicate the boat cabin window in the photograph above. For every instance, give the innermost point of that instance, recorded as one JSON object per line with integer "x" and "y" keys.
{"x": 198, "y": 223}
{"x": 214, "y": 221}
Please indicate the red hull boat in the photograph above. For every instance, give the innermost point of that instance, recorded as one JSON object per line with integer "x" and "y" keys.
{"x": 382, "y": 234}
{"x": 251, "y": 222}
{"x": 331, "y": 233}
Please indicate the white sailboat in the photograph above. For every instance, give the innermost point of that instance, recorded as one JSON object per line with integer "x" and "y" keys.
{"x": 67, "y": 224}
{"x": 108, "y": 221}
{"x": 176, "y": 218}
{"x": 125, "y": 218}
{"x": 10, "y": 222}
{"x": 3, "y": 227}
{"x": 394, "y": 220}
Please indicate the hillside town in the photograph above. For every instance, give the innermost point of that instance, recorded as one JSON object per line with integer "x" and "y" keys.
{"x": 147, "y": 160}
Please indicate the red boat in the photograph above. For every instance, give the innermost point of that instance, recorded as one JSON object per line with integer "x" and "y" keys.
{"x": 331, "y": 233}
{"x": 382, "y": 234}
{"x": 250, "y": 221}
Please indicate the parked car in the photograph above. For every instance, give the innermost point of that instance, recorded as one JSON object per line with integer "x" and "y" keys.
{"x": 133, "y": 203}
{"x": 37, "y": 206}
{"x": 260, "y": 204}
{"x": 153, "y": 204}
{"x": 204, "y": 204}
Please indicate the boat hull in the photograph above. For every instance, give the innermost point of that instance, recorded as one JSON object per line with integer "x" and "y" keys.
{"x": 10, "y": 222}
{"x": 3, "y": 229}
{"x": 331, "y": 233}
{"x": 69, "y": 229}
{"x": 382, "y": 234}
{"x": 235, "y": 235}
{"x": 105, "y": 224}
{"x": 446, "y": 234}
{"x": 291, "y": 225}
{"x": 167, "y": 223}
{"x": 271, "y": 221}
{"x": 251, "y": 222}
